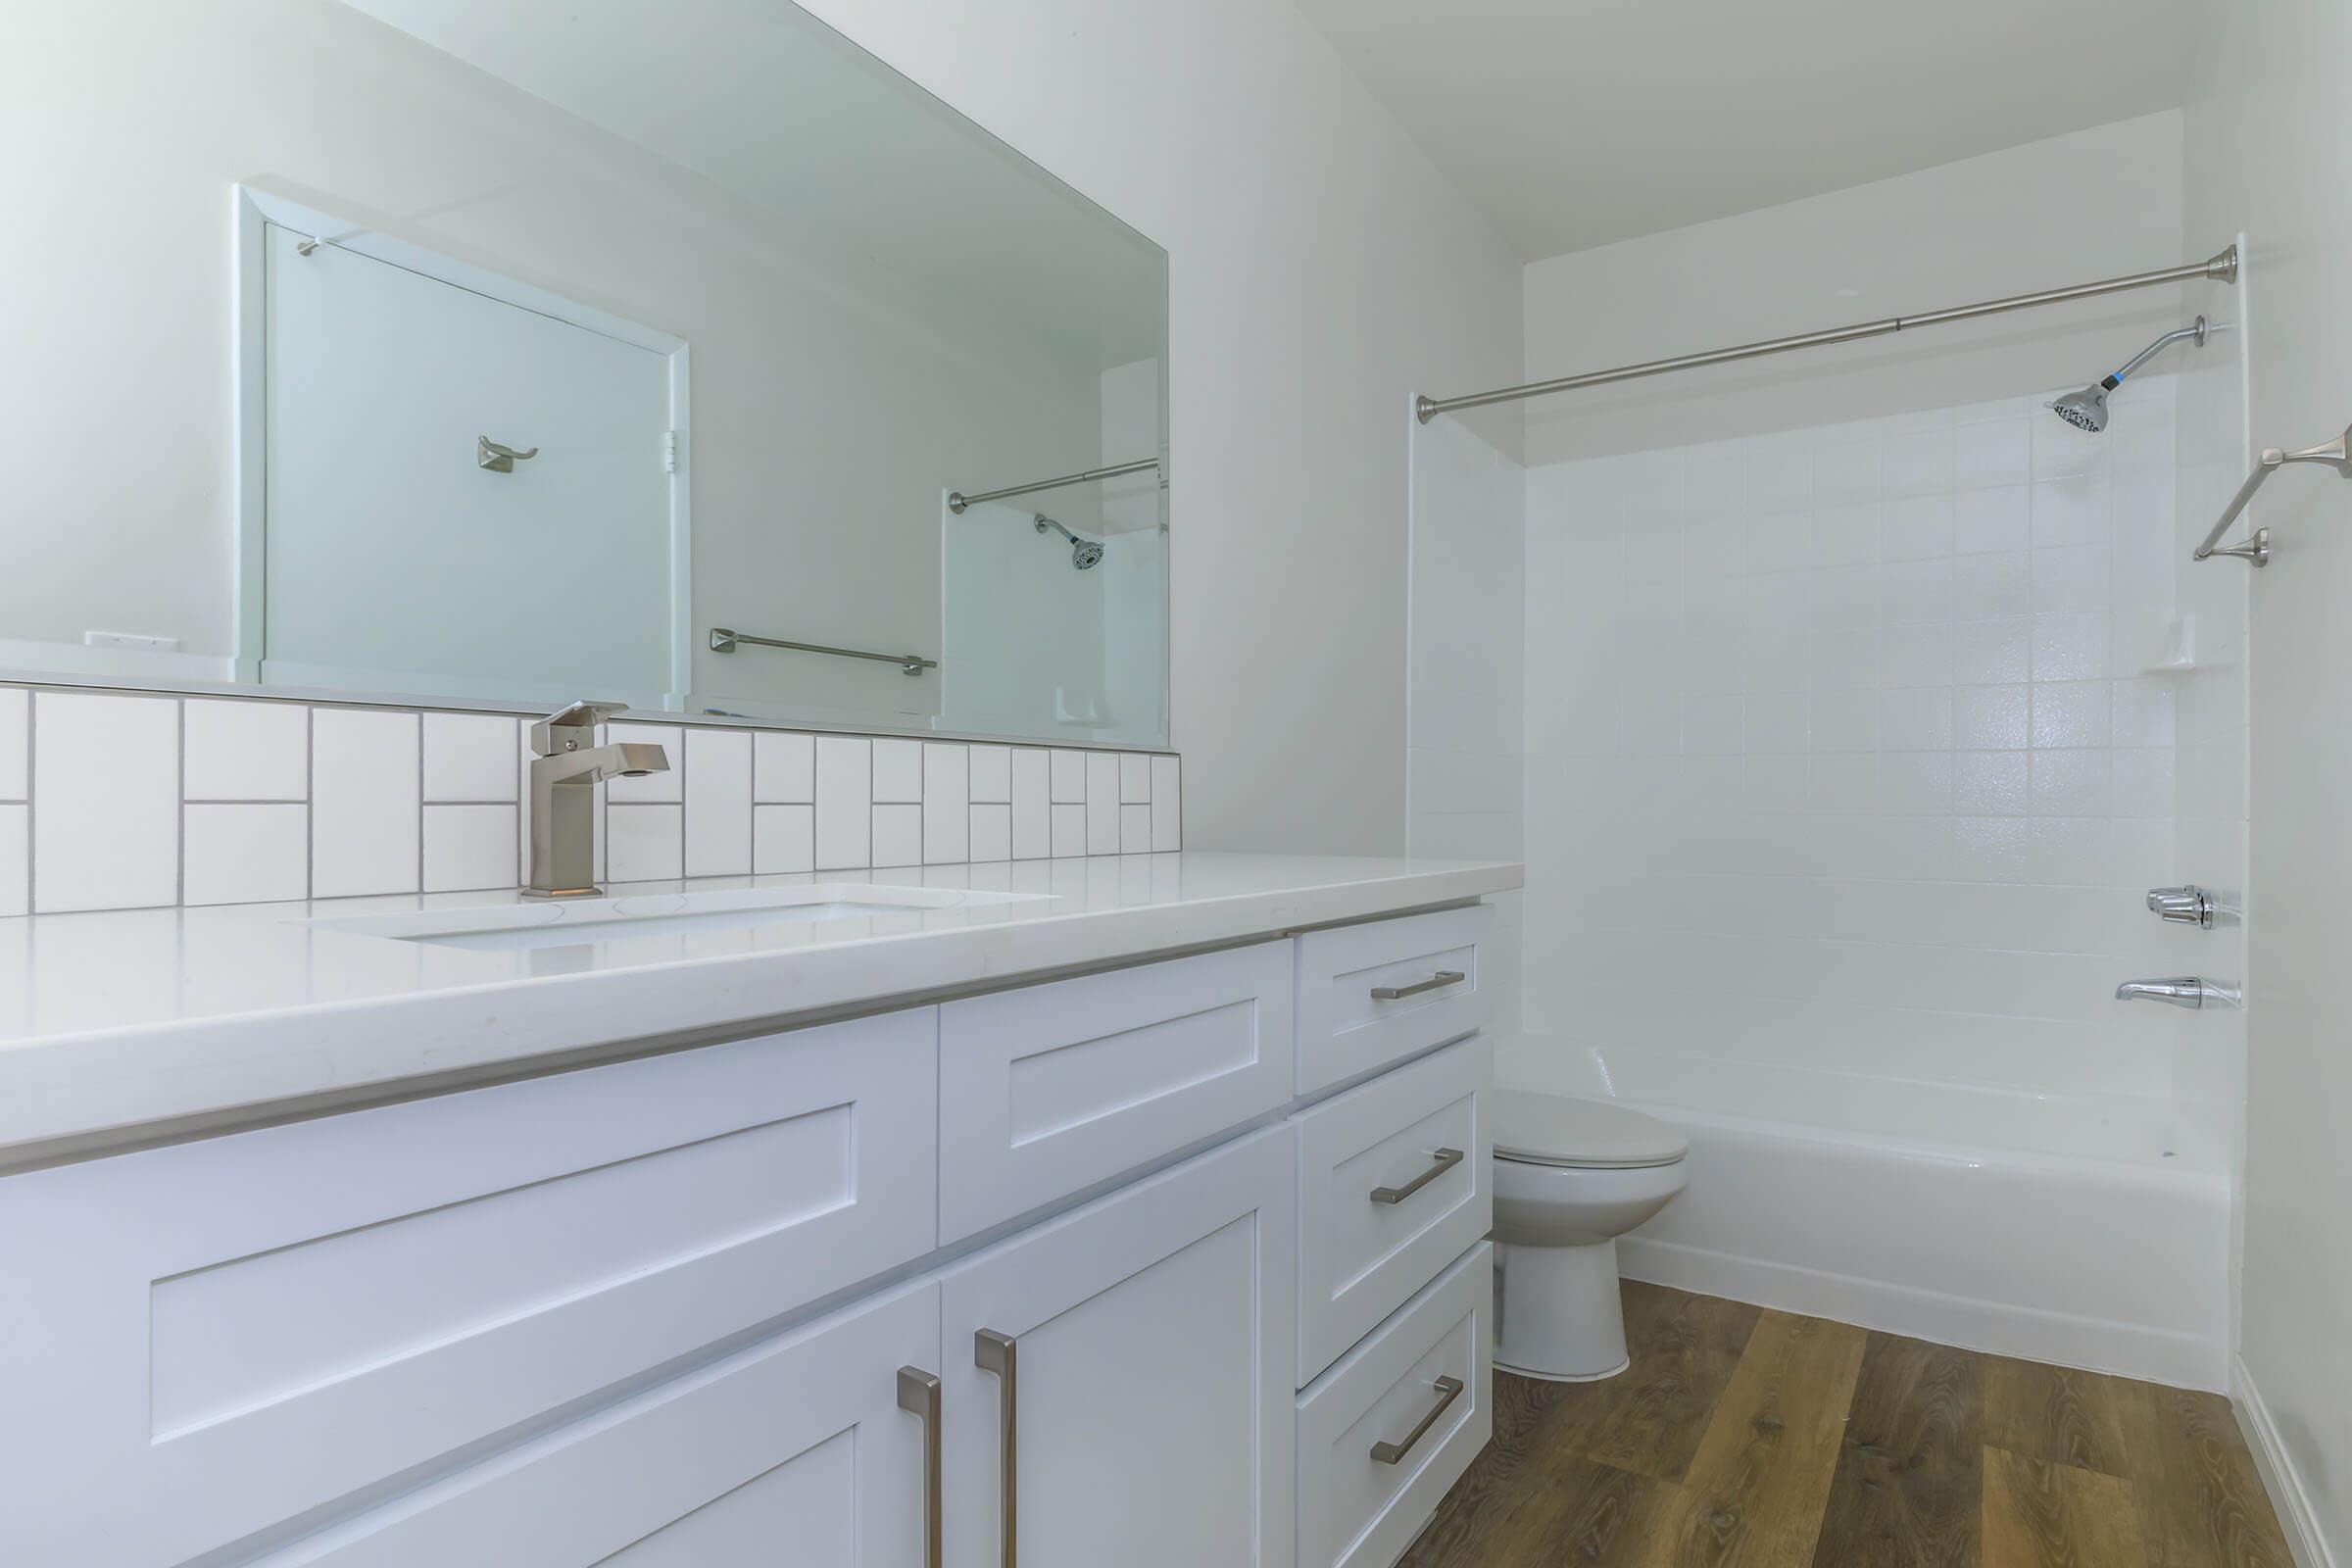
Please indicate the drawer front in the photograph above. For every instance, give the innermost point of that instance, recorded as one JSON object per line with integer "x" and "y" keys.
{"x": 1384, "y": 1203}
{"x": 1347, "y": 1029}
{"x": 220, "y": 1336}
{"x": 1048, "y": 1090}
{"x": 1361, "y": 1500}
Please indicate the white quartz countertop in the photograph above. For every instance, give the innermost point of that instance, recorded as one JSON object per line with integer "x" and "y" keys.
{"x": 121, "y": 1023}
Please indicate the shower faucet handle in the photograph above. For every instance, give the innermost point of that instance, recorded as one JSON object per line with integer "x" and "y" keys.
{"x": 2183, "y": 906}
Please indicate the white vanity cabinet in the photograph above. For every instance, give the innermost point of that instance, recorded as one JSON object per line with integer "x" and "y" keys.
{"x": 795, "y": 1450}
{"x": 1131, "y": 1408}
{"x": 686, "y": 1311}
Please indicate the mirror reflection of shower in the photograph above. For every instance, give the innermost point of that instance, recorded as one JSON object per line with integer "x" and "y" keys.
{"x": 1085, "y": 554}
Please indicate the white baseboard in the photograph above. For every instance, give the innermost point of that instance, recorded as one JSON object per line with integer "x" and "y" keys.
{"x": 2297, "y": 1518}
{"x": 2128, "y": 1349}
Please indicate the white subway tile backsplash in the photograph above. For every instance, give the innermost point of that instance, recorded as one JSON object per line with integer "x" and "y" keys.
{"x": 947, "y": 804}
{"x": 644, "y": 841}
{"x": 718, "y": 802}
{"x": 1069, "y": 777}
{"x": 897, "y": 770}
{"x": 365, "y": 794}
{"x": 783, "y": 768}
{"x": 991, "y": 773}
{"x": 15, "y": 743}
{"x": 105, "y": 787}
{"x": 1102, "y": 802}
{"x": 16, "y": 859}
{"x": 250, "y": 854}
{"x": 243, "y": 751}
{"x": 468, "y": 757}
{"x": 783, "y": 839}
{"x": 845, "y": 802}
{"x": 991, "y": 831}
{"x": 897, "y": 834}
{"x": 469, "y": 846}
{"x": 1032, "y": 803}
{"x": 125, "y": 801}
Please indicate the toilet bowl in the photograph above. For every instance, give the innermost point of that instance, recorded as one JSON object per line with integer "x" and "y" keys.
{"x": 1571, "y": 1175}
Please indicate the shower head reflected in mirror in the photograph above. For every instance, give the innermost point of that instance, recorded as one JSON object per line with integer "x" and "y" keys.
{"x": 2086, "y": 410}
{"x": 1085, "y": 554}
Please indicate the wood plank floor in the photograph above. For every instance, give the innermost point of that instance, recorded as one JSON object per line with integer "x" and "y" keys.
{"x": 1745, "y": 1436}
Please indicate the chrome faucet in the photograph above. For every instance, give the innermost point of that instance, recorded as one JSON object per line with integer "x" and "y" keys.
{"x": 2181, "y": 990}
{"x": 564, "y": 779}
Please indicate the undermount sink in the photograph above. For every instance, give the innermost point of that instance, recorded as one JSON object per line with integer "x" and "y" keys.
{"x": 518, "y": 927}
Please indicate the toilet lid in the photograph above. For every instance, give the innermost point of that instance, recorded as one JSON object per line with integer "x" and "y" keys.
{"x": 1564, "y": 1130}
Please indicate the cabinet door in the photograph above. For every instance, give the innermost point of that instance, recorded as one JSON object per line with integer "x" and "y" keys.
{"x": 1130, "y": 1362}
{"x": 795, "y": 1450}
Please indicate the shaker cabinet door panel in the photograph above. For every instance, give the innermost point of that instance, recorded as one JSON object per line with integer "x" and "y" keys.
{"x": 795, "y": 1451}
{"x": 1146, "y": 1344}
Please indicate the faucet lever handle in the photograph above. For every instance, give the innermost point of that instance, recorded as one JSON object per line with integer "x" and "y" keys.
{"x": 578, "y": 717}
{"x": 2183, "y": 906}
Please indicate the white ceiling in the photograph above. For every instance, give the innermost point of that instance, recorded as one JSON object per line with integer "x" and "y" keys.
{"x": 1577, "y": 122}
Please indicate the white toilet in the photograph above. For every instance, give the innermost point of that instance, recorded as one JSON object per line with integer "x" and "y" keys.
{"x": 1571, "y": 1175}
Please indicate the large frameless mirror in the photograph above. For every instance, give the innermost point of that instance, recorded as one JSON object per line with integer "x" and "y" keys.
{"x": 509, "y": 351}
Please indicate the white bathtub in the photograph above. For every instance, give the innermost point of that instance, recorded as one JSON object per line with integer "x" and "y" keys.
{"x": 2090, "y": 1230}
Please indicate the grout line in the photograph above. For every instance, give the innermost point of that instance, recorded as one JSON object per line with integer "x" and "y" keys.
{"x": 179, "y": 884}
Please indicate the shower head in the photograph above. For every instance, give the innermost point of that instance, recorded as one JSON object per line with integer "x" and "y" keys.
{"x": 1085, "y": 554}
{"x": 2086, "y": 410}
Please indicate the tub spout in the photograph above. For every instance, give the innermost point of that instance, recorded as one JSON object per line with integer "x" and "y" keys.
{"x": 2181, "y": 990}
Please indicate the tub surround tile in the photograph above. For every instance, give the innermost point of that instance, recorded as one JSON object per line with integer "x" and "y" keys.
{"x": 246, "y": 750}
{"x": 106, "y": 783}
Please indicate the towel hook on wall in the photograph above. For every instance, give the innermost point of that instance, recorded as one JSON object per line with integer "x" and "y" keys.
{"x": 488, "y": 454}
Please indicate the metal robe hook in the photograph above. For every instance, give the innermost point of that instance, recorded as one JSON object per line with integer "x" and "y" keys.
{"x": 489, "y": 454}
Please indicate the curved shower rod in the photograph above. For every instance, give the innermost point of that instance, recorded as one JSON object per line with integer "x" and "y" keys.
{"x": 2220, "y": 268}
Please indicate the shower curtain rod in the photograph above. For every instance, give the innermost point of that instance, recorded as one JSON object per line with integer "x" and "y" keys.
{"x": 2220, "y": 268}
{"x": 958, "y": 499}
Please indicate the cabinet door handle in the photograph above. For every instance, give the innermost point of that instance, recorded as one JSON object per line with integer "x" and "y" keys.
{"x": 1446, "y": 1159}
{"x": 997, "y": 1352}
{"x": 1449, "y": 1389}
{"x": 1443, "y": 977}
{"x": 918, "y": 1395}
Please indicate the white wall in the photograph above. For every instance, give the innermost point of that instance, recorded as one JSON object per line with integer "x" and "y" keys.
{"x": 2270, "y": 151}
{"x": 2096, "y": 203}
{"x": 1321, "y": 273}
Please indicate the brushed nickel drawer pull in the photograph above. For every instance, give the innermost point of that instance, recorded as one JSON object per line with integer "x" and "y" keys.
{"x": 1443, "y": 977}
{"x": 918, "y": 1395}
{"x": 1446, "y": 1159}
{"x": 1449, "y": 1389}
{"x": 997, "y": 1352}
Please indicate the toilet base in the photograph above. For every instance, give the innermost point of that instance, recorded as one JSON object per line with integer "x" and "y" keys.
{"x": 1559, "y": 1314}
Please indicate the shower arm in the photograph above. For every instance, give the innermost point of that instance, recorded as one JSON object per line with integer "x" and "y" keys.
{"x": 2196, "y": 331}
{"x": 2220, "y": 268}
